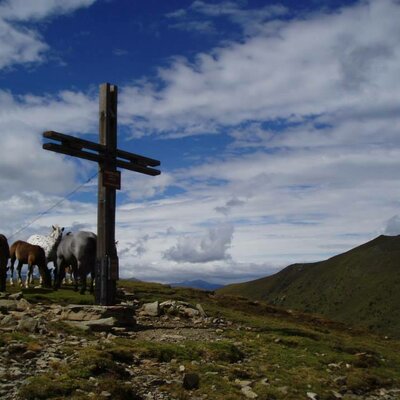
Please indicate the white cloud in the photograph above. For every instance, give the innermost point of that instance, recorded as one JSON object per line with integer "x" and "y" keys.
{"x": 393, "y": 226}
{"x": 229, "y": 205}
{"x": 20, "y": 44}
{"x": 139, "y": 187}
{"x": 250, "y": 20}
{"x": 25, "y": 166}
{"x": 21, "y": 10}
{"x": 321, "y": 64}
{"x": 311, "y": 106}
{"x": 212, "y": 246}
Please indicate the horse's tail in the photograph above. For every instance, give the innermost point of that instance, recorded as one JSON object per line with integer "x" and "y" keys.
{"x": 13, "y": 249}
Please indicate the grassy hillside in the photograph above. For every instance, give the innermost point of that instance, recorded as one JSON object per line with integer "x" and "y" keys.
{"x": 361, "y": 286}
{"x": 245, "y": 346}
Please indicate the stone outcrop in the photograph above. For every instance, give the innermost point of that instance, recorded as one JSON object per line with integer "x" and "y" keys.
{"x": 107, "y": 315}
{"x": 173, "y": 308}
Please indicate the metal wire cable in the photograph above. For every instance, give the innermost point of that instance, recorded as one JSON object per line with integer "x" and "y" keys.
{"x": 40, "y": 215}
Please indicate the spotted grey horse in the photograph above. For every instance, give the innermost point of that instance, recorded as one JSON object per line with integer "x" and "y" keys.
{"x": 48, "y": 243}
{"x": 77, "y": 250}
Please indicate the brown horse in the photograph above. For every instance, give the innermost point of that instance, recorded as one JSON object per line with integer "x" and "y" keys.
{"x": 4, "y": 256}
{"x": 32, "y": 255}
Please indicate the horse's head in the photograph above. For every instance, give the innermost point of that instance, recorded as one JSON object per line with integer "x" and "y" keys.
{"x": 57, "y": 232}
{"x": 46, "y": 276}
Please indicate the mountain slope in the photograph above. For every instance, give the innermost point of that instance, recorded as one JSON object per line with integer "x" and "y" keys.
{"x": 361, "y": 286}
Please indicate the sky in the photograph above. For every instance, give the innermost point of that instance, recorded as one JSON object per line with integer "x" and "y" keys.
{"x": 277, "y": 124}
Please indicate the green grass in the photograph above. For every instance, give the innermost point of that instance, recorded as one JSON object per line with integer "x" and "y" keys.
{"x": 295, "y": 352}
{"x": 65, "y": 295}
{"x": 360, "y": 287}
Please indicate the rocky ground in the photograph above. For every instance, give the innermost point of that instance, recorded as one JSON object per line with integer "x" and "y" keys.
{"x": 42, "y": 340}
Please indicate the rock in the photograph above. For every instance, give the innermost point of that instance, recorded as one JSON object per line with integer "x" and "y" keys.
{"x": 98, "y": 325}
{"x": 312, "y": 396}
{"x": 191, "y": 381}
{"x": 264, "y": 381}
{"x": 29, "y": 354}
{"x": 336, "y": 395}
{"x": 248, "y": 392}
{"x": 23, "y": 305}
{"x": 16, "y": 296}
{"x": 165, "y": 305}
{"x": 8, "y": 320}
{"x": 242, "y": 383}
{"x": 189, "y": 312}
{"x": 201, "y": 310}
{"x": 28, "y": 324}
{"x": 181, "y": 368}
{"x": 123, "y": 315}
{"x": 283, "y": 389}
{"x": 150, "y": 309}
{"x": 8, "y": 305}
{"x": 14, "y": 348}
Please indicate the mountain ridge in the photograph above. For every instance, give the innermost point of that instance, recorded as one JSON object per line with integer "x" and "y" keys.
{"x": 360, "y": 286}
{"x": 197, "y": 284}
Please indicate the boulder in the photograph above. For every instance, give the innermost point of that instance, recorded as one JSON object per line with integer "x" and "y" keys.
{"x": 28, "y": 324}
{"x": 201, "y": 310}
{"x": 8, "y": 305}
{"x": 248, "y": 392}
{"x": 189, "y": 312}
{"x": 97, "y": 325}
{"x": 150, "y": 309}
{"x": 122, "y": 315}
{"x": 16, "y": 296}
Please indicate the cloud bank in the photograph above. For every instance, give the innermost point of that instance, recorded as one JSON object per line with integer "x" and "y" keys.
{"x": 21, "y": 44}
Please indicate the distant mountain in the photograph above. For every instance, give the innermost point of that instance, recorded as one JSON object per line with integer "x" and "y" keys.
{"x": 361, "y": 286}
{"x": 197, "y": 284}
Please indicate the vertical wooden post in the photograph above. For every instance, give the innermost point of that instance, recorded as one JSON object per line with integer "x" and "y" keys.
{"x": 107, "y": 259}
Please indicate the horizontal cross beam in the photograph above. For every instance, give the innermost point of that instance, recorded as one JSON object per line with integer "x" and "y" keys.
{"x": 77, "y": 147}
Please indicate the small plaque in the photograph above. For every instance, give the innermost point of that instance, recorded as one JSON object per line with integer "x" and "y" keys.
{"x": 112, "y": 179}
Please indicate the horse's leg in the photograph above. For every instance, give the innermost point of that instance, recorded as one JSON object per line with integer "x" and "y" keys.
{"x": 31, "y": 269}
{"x": 91, "y": 288}
{"x": 82, "y": 277}
{"x": 76, "y": 273}
{"x": 31, "y": 266}
{"x": 40, "y": 278}
{"x": 19, "y": 268}
{"x": 71, "y": 277}
{"x": 59, "y": 272}
{"x": 75, "y": 277}
{"x": 12, "y": 271}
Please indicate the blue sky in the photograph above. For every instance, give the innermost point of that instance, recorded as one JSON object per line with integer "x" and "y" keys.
{"x": 276, "y": 123}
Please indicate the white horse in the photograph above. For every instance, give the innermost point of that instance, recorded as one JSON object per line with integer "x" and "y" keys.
{"x": 49, "y": 244}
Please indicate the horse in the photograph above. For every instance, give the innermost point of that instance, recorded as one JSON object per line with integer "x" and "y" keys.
{"x": 77, "y": 250}
{"x": 49, "y": 243}
{"x": 4, "y": 256}
{"x": 32, "y": 255}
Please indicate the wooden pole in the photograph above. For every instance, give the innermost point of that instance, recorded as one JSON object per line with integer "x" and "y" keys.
{"x": 109, "y": 158}
{"x": 107, "y": 259}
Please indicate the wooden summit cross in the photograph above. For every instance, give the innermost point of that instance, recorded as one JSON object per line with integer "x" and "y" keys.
{"x": 109, "y": 159}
